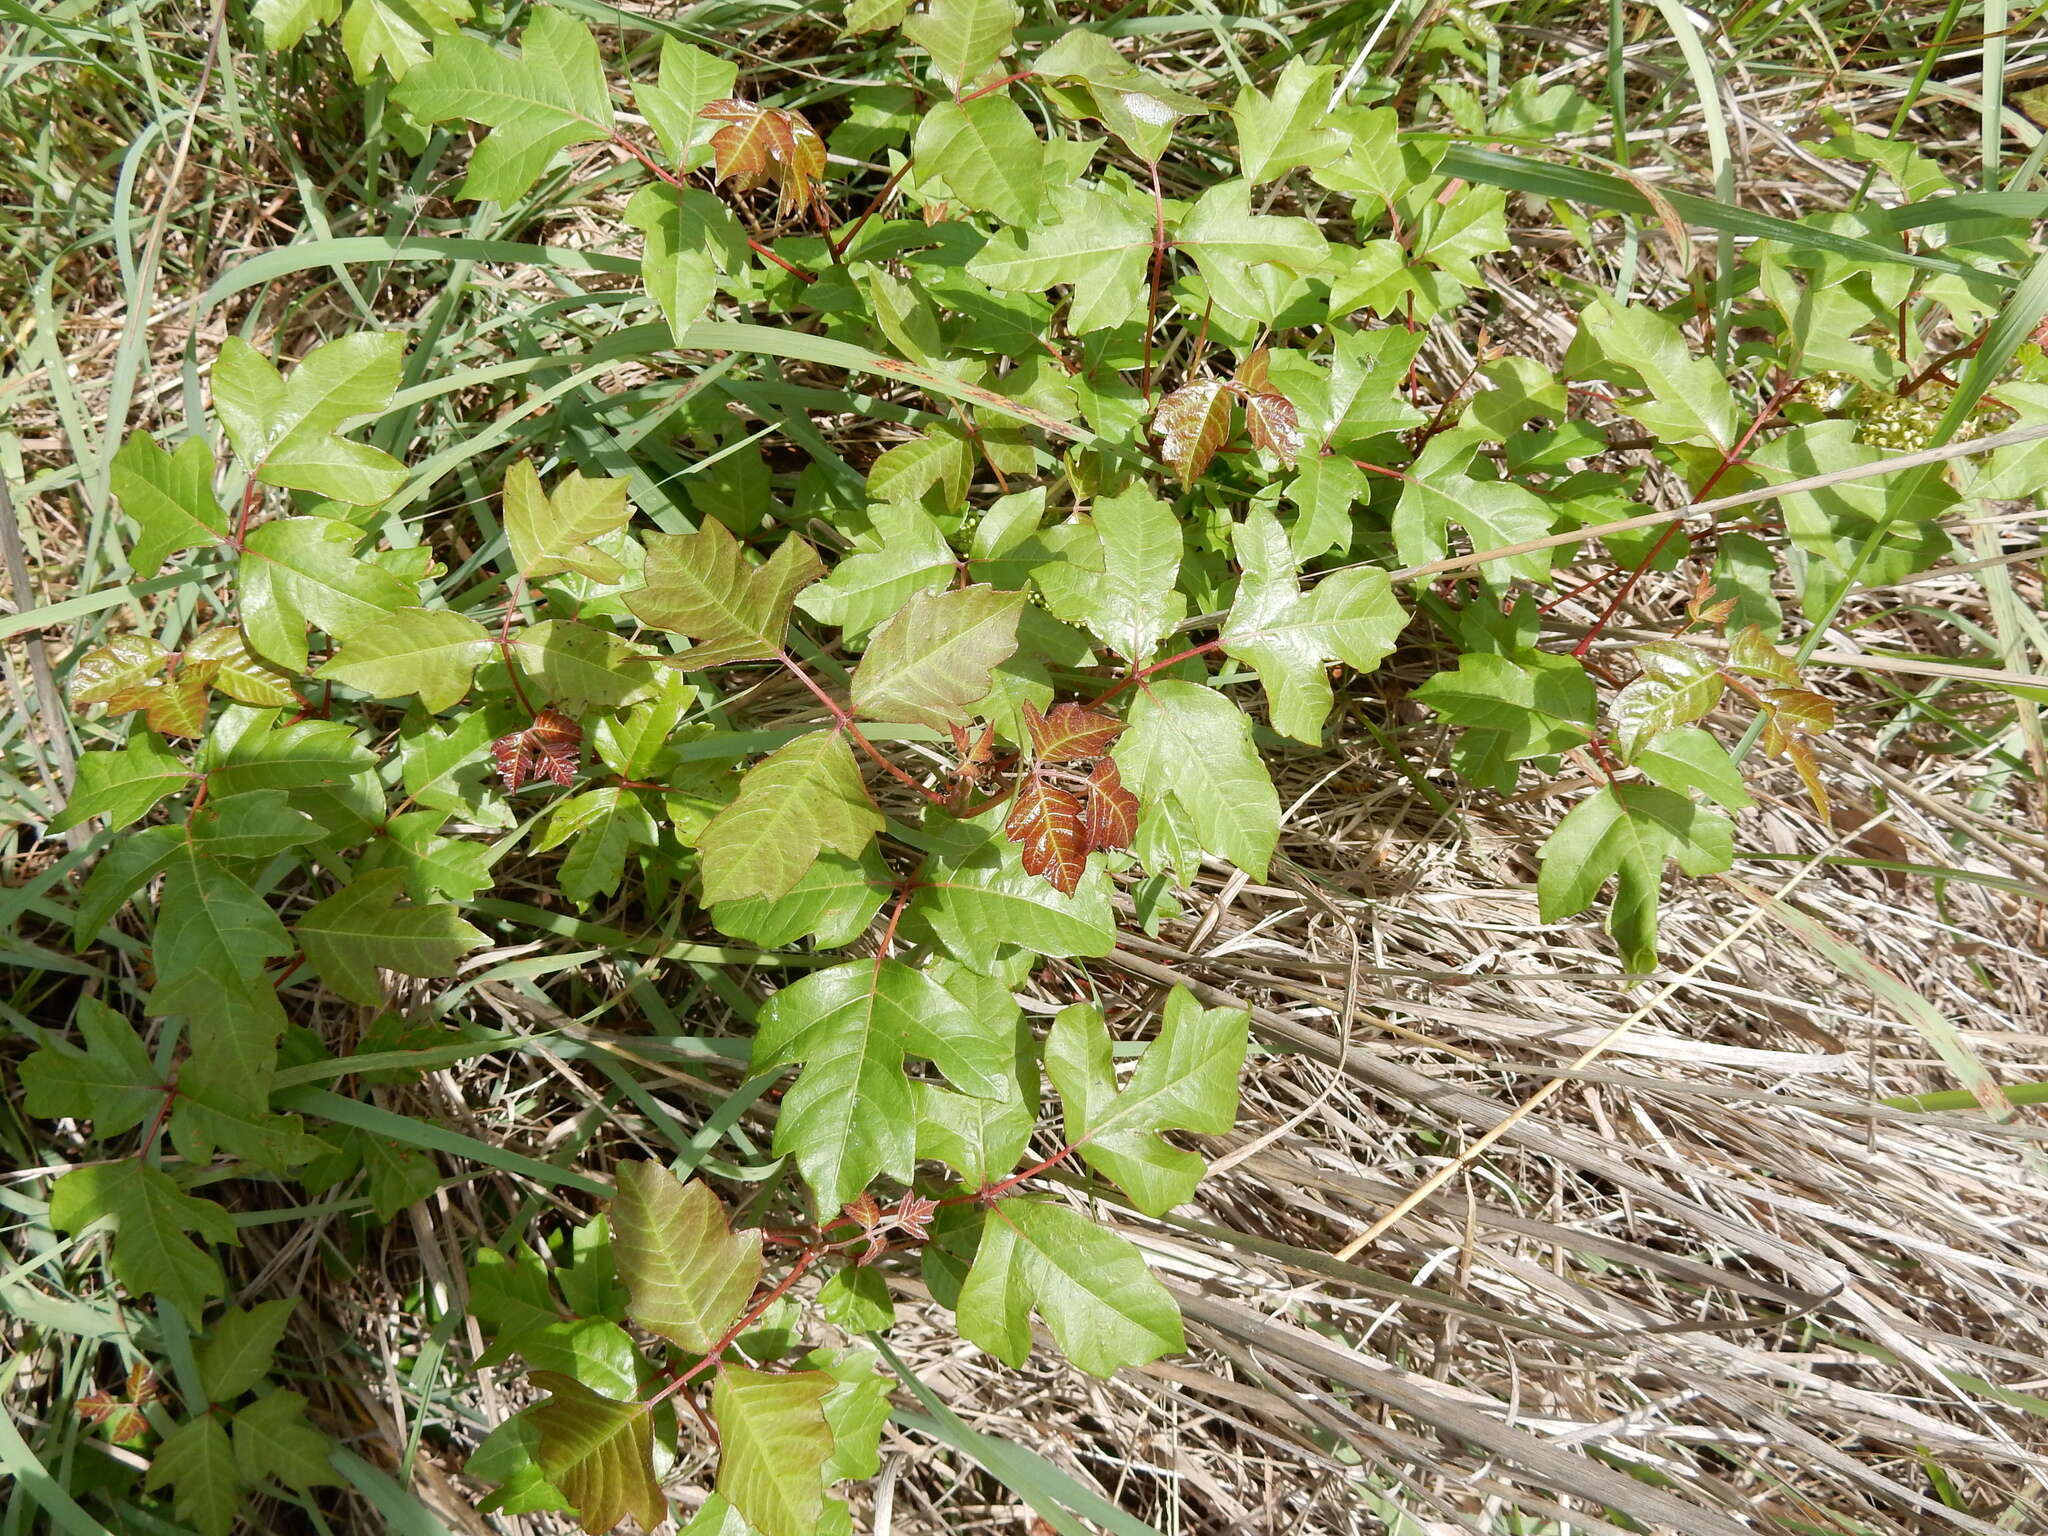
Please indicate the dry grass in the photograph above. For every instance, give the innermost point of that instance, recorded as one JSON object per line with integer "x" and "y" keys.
{"x": 1712, "y": 1277}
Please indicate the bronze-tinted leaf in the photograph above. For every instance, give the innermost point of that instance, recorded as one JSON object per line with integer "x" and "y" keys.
{"x": 1070, "y": 733}
{"x": 599, "y": 1452}
{"x": 1251, "y": 372}
{"x": 1047, "y": 821}
{"x": 1111, "y": 820}
{"x": 762, "y": 146}
{"x": 122, "y": 663}
{"x": 174, "y": 705}
{"x": 1790, "y": 716}
{"x": 1192, "y": 423}
{"x": 1271, "y": 422}
{"x": 547, "y": 749}
{"x": 976, "y": 754}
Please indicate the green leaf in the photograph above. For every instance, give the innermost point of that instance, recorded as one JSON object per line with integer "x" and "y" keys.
{"x": 1451, "y": 235}
{"x": 122, "y": 785}
{"x": 856, "y": 1409}
{"x": 802, "y": 800}
{"x": 243, "y": 676}
{"x": 833, "y": 904}
{"x": 1186, "y": 1080}
{"x": 170, "y": 496}
{"x": 151, "y": 1217}
{"x": 286, "y": 429}
{"x": 580, "y": 668}
{"x": 1289, "y": 128}
{"x": 555, "y": 532}
{"x": 774, "y": 1442}
{"x": 598, "y": 1452}
{"x": 305, "y": 568}
{"x": 109, "y": 1081}
{"x": 198, "y": 1465}
{"x": 607, "y": 825}
{"x": 690, "y": 238}
{"x": 850, "y": 1114}
{"x": 1541, "y": 702}
{"x": 1678, "y": 685}
{"x": 397, "y": 32}
{"x": 363, "y": 928}
{"x": 1690, "y": 402}
{"x": 979, "y": 900}
{"x": 691, "y": 80}
{"x": 858, "y": 1300}
{"x": 1087, "y": 77}
{"x": 511, "y": 1297}
{"x": 1191, "y": 742}
{"x": 124, "y": 868}
{"x": 932, "y": 660}
{"x": 1496, "y": 513}
{"x": 273, "y": 1439}
{"x": 1098, "y": 245}
{"x": 964, "y": 39}
{"x": 301, "y": 755}
{"x": 689, "y": 1274}
{"x": 1350, "y": 616}
{"x": 942, "y": 457}
{"x": 1626, "y": 832}
{"x": 105, "y": 672}
{"x": 237, "y": 1353}
{"x": 258, "y": 825}
{"x": 549, "y": 96}
{"x": 988, "y": 155}
{"x": 983, "y": 1139}
{"x": 1132, "y": 604}
{"x": 700, "y": 585}
{"x": 1687, "y": 758}
{"x": 211, "y": 926}
{"x": 1239, "y": 252}
{"x": 1092, "y": 1288}
{"x": 906, "y": 553}
{"x": 427, "y": 651}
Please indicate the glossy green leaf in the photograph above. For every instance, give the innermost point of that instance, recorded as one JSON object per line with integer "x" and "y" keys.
{"x": 977, "y": 897}
{"x": 1191, "y": 742}
{"x": 122, "y": 785}
{"x": 151, "y": 1218}
{"x": 1096, "y": 244}
{"x": 690, "y": 80}
{"x": 272, "y": 1439}
{"x": 109, "y": 1080}
{"x": 427, "y": 651}
{"x": 1087, "y": 77}
{"x": 579, "y": 668}
{"x": 197, "y": 1463}
{"x": 243, "y": 675}
{"x": 301, "y": 569}
{"x": 1689, "y": 401}
{"x": 1678, "y": 685}
{"x": 1185, "y": 1080}
{"x": 1350, "y": 616}
{"x": 1132, "y": 604}
{"x": 1290, "y": 127}
{"x": 833, "y": 903}
{"x": 702, "y": 586}
{"x": 1092, "y": 1288}
{"x": 598, "y": 1452}
{"x": 850, "y": 1114}
{"x": 988, "y": 155}
{"x": 170, "y": 496}
{"x": 688, "y": 1273}
{"x": 1626, "y": 832}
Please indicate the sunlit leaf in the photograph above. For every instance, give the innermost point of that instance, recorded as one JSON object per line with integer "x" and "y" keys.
{"x": 689, "y": 1274}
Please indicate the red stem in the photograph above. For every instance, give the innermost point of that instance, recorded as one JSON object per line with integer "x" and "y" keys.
{"x": 844, "y": 721}
{"x": 1001, "y": 1187}
{"x": 1142, "y": 673}
{"x": 995, "y": 85}
{"x": 804, "y": 1261}
{"x": 881, "y": 197}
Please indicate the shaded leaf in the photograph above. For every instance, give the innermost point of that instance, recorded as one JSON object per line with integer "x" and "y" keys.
{"x": 598, "y": 1452}
{"x": 273, "y": 1439}
{"x": 237, "y": 1353}
{"x": 109, "y": 1080}
{"x": 197, "y": 1464}
{"x": 151, "y": 1217}
{"x": 601, "y": 826}
{"x": 363, "y": 928}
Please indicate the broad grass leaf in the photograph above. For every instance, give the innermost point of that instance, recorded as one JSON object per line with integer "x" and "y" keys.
{"x": 688, "y": 1273}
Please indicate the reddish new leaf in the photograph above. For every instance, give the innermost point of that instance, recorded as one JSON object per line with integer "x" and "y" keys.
{"x": 1070, "y": 733}
{"x": 547, "y": 749}
{"x": 1790, "y": 716}
{"x": 1251, "y": 373}
{"x": 976, "y": 754}
{"x": 1271, "y": 422}
{"x": 1111, "y": 820}
{"x": 761, "y": 146}
{"x": 1047, "y": 821}
{"x": 1192, "y": 423}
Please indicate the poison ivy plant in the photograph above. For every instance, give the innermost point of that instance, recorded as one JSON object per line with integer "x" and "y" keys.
{"x": 893, "y": 720}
